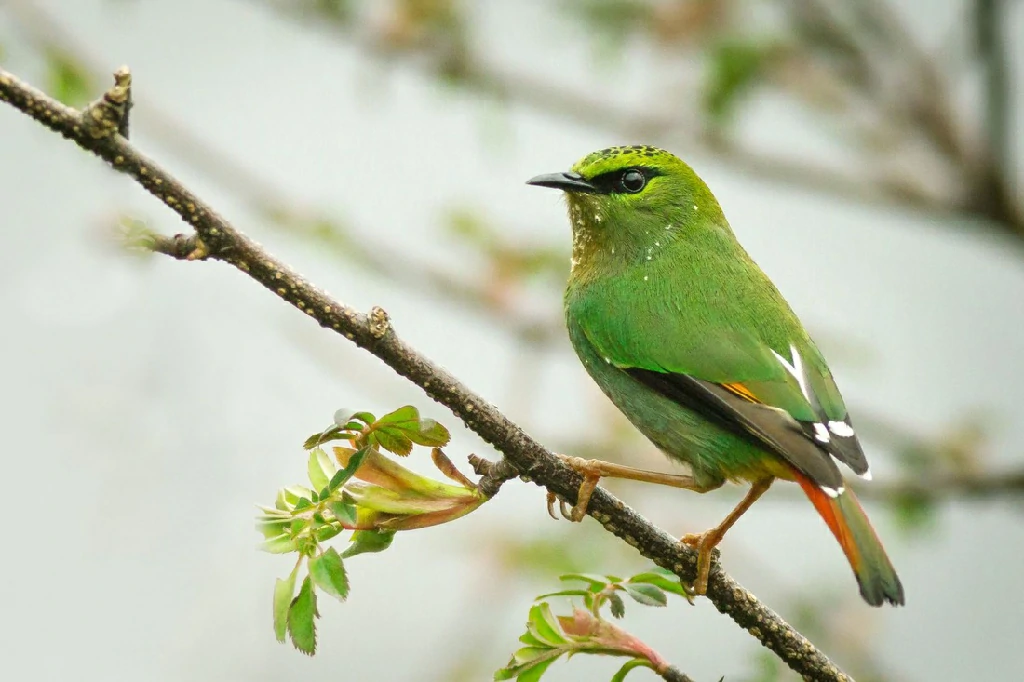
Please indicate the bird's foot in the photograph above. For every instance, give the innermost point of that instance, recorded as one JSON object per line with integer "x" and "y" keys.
{"x": 591, "y": 470}
{"x": 705, "y": 544}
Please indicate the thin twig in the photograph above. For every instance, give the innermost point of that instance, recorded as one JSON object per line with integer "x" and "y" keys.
{"x": 218, "y": 239}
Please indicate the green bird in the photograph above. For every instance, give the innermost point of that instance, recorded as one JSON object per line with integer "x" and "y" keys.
{"x": 694, "y": 344}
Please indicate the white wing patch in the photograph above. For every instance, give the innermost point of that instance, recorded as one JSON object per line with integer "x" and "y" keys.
{"x": 841, "y": 429}
{"x": 820, "y": 433}
{"x": 796, "y": 368}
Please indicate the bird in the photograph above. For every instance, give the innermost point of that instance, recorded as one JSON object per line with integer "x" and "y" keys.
{"x": 694, "y": 344}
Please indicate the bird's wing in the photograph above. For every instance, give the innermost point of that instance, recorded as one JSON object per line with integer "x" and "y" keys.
{"x": 784, "y": 398}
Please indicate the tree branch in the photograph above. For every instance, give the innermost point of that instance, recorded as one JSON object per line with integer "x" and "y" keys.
{"x": 96, "y": 131}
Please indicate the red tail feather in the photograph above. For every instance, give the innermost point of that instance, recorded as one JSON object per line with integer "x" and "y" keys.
{"x": 848, "y": 522}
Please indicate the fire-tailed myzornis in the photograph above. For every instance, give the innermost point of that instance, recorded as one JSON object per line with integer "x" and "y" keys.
{"x": 691, "y": 340}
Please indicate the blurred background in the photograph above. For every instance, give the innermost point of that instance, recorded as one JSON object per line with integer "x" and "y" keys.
{"x": 866, "y": 152}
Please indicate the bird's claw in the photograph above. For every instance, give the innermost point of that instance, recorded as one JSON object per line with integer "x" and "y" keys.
{"x": 569, "y": 513}
{"x": 705, "y": 544}
{"x": 692, "y": 539}
{"x": 591, "y": 476}
{"x": 552, "y": 498}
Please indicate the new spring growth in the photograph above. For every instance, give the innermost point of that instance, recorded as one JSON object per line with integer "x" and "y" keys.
{"x": 359, "y": 490}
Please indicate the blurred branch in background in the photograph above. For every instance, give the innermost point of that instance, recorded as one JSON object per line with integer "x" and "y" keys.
{"x": 990, "y": 44}
{"x": 73, "y": 71}
{"x": 854, "y": 65}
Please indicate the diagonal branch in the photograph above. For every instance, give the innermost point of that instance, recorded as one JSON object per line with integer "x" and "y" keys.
{"x": 96, "y": 131}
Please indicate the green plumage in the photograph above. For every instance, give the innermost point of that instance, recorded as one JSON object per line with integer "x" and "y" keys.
{"x": 686, "y": 334}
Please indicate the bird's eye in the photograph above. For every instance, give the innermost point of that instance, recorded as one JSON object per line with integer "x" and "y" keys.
{"x": 633, "y": 181}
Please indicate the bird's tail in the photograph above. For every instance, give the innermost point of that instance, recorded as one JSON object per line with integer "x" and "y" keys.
{"x": 848, "y": 522}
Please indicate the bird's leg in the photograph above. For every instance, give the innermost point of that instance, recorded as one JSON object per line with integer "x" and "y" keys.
{"x": 707, "y": 541}
{"x": 593, "y": 470}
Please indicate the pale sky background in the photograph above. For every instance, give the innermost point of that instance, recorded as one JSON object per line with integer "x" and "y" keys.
{"x": 149, "y": 404}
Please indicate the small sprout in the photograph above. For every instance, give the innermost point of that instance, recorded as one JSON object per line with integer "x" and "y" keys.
{"x": 548, "y": 636}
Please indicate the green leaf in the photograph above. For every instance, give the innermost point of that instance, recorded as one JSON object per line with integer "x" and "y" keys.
{"x": 398, "y": 430}
{"x": 328, "y": 572}
{"x": 565, "y": 593}
{"x": 294, "y": 492}
{"x": 646, "y": 594}
{"x": 344, "y": 418}
{"x": 544, "y": 625}
{"x": 320, "y": 468}
{"x": 597, "y": 582}
{"x": 305, "y": 502}
{"x": 406, "y": 415}
{"x": 282, "y": 544}
{"x": 301, "y": 619}
{"x": 325, "y": 533}
{"x": 344, "y": 512}
{"x": 536, "y": 671}
{"x": 330, "y": 433}
{"x": 273, "y": 526}
{"x": 343, "y": 475}
{"x": 528, "y": 664}
{"x": 430, "y": 434}
{"x": 392, "y": 439}
{"x": 367, "y": 541}
{"x": 630, "y": 665}
{"x": 666, "y": 580}
{"x": 283, "y": 591}
{"x": 617, "y": 605}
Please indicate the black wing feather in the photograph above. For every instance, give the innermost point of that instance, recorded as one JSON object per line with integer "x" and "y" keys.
{"x": 770, "y": 427}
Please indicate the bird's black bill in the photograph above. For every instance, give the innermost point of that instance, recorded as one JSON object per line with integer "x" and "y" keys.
{"x": 567, "y": 182}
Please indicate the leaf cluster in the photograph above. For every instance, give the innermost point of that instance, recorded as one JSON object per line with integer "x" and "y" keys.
{"x": 386, "y": 498}
{"x": 548, "y": 636}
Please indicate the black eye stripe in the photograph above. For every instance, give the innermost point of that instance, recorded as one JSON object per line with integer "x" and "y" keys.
{"x": 624, "y": 181}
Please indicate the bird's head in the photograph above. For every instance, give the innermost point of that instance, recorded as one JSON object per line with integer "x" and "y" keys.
{"x": 624, "y": 199}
